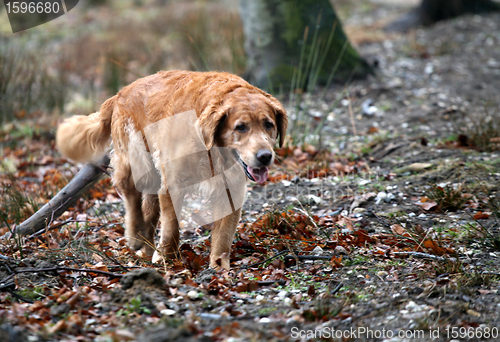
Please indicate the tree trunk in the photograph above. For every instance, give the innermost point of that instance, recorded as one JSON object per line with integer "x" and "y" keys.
{"x": 432, "y": 11}
{"x": 295, "y": 43}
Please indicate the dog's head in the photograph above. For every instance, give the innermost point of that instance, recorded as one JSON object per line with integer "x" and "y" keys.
{"x": 249, "y": 122}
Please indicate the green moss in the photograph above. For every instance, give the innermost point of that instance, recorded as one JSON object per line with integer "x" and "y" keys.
{"x": 266, "y": 311}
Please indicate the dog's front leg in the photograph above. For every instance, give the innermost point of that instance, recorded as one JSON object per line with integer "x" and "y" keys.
{"x": 222, "y": 238}
{"x": 168, "y": 247}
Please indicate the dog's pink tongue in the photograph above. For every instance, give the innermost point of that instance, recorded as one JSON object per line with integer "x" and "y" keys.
{"x": 260, "y": 175}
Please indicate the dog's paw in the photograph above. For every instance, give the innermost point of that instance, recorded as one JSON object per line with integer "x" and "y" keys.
{"x": 145, "y": 252}
{"x": 135, "y": 243}
{"x": 222, "y": 262}
{"x": 157, "y": 258}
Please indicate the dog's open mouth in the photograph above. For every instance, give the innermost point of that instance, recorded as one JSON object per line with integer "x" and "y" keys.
{"x": 258, "y": 175}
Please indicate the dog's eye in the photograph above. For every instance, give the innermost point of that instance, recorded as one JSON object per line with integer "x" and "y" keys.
{"x": 269, "y": 125}
{"x": 241, "y": 128}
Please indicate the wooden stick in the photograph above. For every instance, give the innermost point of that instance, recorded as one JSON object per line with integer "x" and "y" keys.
{"x": 66, "y": 198}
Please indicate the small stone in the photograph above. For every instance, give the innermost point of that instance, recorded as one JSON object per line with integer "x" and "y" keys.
{"x": 167, "y": 312}
{"x": 124, "y": 335}
{"x": 358, "y": 210}
{"x": 211, "y": 316}
{"x": 264, "y": 320}
{"x": 364, "y": 181}
{"x": 193, "y": 295}
{"x": 473, "y": 313}
{"x": 380, "y": 197}
{"x": 315, "y": 199}
{"x": 176, "y": 299}
{"x": 368, "y": 108}
{"x": 260, "y": 299}
{"x": 339, "y": 250}
{"x": 317, "y": 250}
{"x": 389, "y": 197}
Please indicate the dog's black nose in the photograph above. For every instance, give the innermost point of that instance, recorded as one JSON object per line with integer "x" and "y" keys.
{"x": 264, "y": 157}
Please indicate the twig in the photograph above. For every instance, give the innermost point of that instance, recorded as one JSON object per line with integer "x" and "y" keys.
{"x": 60, "y": 268}
{"x": 5, "y": 286}
{"x": 125, "y": 68}
{"x": 337, "y": 289}
{"x": 4, "y": 257}
{"x": 307, "y": 257}
{"x": 18, "y": 296}
{"x": 4, "y": 282}
{"x": 262, "y": 262}
{"x": 380, "y": 219}
{"x": 308, "y": 215}
{"x": 271, "y": 282}
{"x": 109, "y": 258}
{"x": 351, "y": 114}
{"x": 421, "y": 255}
{"x": 128, "y": 267}
{"x": 41, "y": 232}
{"x": 292, "y": 252}
{"x": 491, "y": 273}
{"x": 53, "y": 212}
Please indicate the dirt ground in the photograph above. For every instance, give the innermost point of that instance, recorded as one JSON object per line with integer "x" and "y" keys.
{"x": 399, "y": 240}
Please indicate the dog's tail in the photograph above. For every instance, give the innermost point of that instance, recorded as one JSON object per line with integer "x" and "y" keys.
{"x": 83, "y": 138}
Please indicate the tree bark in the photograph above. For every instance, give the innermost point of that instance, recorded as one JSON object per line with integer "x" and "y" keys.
{"x": 67, "y": 197}
{"x": 296, "y": 41}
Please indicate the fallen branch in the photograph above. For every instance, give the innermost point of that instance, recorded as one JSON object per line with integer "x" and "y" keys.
{"x": 421, "y": 255}
{"x": 59, "y": 268}
{"x": 66, "y": 198}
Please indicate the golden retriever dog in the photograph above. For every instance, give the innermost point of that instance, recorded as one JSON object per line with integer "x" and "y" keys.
{"x": 229, "y": 113}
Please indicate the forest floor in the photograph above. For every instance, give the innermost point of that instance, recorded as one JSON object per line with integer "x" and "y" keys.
{"x": 392, "y": 234}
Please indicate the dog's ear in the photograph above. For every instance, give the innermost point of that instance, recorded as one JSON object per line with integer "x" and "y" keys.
{"x": 281, "y": 117}
{"x": 210, "y": 121}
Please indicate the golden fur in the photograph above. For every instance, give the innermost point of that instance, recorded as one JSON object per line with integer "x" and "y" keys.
{"x": 224, "y": 103}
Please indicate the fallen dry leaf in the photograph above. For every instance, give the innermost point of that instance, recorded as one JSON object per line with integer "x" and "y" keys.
{"x": 397, "y": 229}
{"x": 481, "y": 215}
{"x": 426, "y": 204}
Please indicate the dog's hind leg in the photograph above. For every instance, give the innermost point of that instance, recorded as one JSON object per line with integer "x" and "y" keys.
{"x": 136, "y": 230}
{"x": 168, "y": 247}
{"x": 151, "y": 212}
